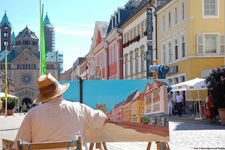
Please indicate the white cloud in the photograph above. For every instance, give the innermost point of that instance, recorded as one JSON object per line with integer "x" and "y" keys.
{"x": 73, "y": 32}
{"x": 74, "y": 24}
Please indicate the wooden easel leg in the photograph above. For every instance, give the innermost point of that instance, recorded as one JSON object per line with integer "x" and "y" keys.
{"x": 167, "y": 146}
{"x": 104, "y": 146}
{"x": 98, "y": 146}
{"x": 149, "y": 145}
{"x": 91, "y": 146}
{"x": 157, "y": 145}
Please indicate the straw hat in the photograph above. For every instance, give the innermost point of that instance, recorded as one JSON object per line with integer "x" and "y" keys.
{"x": 49, "y": 88}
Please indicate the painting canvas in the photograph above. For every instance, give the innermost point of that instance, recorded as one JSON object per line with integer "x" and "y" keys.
{"x": 137, "y": 109}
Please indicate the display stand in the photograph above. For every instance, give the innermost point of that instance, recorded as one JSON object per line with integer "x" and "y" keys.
{"x": 165, "y": 145}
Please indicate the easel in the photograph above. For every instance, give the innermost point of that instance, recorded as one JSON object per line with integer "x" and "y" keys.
{"x": 165, "y": 144}
{"x": 98, "y": 145}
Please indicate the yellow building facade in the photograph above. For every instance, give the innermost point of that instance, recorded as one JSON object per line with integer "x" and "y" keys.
{"x": 190, "y": 40}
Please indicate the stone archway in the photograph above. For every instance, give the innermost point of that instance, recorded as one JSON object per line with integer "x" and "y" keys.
{"x": 26, "y": 101}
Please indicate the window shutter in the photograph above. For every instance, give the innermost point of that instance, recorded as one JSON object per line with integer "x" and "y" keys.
{"x": 222, "y": 44}
{"x": 199, "y": 44}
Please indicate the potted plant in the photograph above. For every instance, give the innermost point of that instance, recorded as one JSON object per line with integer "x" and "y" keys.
{"x": 146, "y": 120}
{"x": 11, "y": 103}
{"x": 216, "y": 85}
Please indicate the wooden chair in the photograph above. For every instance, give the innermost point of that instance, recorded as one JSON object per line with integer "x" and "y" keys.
{"x": 74, "y": 144}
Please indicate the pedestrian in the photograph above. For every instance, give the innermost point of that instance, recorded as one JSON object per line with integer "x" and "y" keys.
{"x": 56, "y": 119}
{"x": 24, "y": 108}
{"x": 210, "y": 110}
{"x": 170, "y": 104}
{"x": 179, "y": 100}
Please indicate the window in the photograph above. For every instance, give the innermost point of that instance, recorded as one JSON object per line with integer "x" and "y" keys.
{"x": 139, "y": 29}
{"x": 170, "y": 53}
{"x": 182, "y": 11}
{"x": 163, "y": 54}
{"x": 210, "y": 43}
{"x": 112, "y": 52}
{"x": 142, "y": 58}
{"x": 169, "y": 20}
{"x": 5, "y": 34}
{"x": 126, "y": 64}
{"x": 136, "y": 61}
{"x": 182, "y": 46}
{"x": 131, "y": 63}
{"x": 222, "y": 44}
{"x": 175, "y": 49}
{"x": 6, "y": 43}
{"x": 175, "y": 16}
{"x": 132, "y": 34}
{"x": 163, "y": 23}
{"x": 207, "y": 44}
{"x": 210, "y": 8}
{"x": 143, "y": 28}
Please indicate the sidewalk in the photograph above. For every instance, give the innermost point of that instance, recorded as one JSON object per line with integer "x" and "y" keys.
{"x": 186, "y": 133}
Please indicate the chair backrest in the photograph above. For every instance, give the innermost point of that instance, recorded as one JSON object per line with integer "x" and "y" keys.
{"x": 74, "y": 143}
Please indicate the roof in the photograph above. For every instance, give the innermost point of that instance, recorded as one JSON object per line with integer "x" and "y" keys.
{"x": 13, "y": 37}
{"x": 131, "y": 96}
{"x": 102, "y": 27}
{"x": 50, "y": 56}
{"x": 27, "y": 33}
{"x": 10, "y": 55}
{"x": 77, "y": 62}
{"x": 124, "y": 13}
{"x": 5, "y": 20}
{"x": 46, "y": 20}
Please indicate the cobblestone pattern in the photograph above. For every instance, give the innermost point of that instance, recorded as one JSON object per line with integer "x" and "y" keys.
{"x": 185, "y": 134}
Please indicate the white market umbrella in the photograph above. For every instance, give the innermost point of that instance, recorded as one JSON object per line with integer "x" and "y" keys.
{"x": 8, "y": 95}
{"x": 190, "y": 85}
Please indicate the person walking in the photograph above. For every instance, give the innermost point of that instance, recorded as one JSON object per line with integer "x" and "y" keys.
{"x": 170, "y": 104}
{"x": 56, "y": 119}
{"x": 211, "y": 114}
{"x": 179, "y": 100}
{"x": 24, "y": 108}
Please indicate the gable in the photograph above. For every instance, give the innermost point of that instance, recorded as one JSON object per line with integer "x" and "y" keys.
{"x": 99, "y": 32}
{"x": 26, "y": 56}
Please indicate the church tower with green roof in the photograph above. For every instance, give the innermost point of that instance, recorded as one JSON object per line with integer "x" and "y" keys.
{"x": 49, "y": 35}
{"x": 5, "y": 30}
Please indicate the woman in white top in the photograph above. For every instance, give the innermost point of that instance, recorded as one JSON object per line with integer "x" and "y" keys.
{"x": 170, "y": 104}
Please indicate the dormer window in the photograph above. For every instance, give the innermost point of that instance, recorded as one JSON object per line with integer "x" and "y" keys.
{"x": 118, "y": 16}
{"x": 112, "y": 22}
{"x": 115, "y": 20}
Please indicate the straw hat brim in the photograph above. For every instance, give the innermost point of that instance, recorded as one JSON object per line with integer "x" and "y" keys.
{"x": 47, "y": 97}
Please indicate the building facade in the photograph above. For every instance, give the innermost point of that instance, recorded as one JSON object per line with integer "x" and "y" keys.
{"x": 191, "y": 39}
{"x": 5, "y": 33}
{"x": 23, "y": 63}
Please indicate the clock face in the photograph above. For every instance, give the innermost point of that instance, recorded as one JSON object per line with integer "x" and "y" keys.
{"x": 26, "y": 79}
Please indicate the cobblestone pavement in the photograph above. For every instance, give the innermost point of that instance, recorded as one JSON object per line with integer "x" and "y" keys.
{"x": 185, "y": 134}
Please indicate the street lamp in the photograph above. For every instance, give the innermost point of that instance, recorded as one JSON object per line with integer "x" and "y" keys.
{"x": 6, "y": 81}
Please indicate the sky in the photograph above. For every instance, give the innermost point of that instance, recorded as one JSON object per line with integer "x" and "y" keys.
{"x": 73, "y": 21}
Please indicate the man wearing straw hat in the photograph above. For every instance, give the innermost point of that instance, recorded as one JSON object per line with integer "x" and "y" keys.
{"x": 56, "y": 119}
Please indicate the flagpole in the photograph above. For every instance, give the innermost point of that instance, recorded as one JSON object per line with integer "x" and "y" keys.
{"x": 40, "y": 41}
{"x": 6, "y": 81}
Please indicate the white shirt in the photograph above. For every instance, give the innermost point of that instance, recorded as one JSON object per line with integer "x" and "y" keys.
{"x": 59, "y": 120}
{"x": 179, "y": 98}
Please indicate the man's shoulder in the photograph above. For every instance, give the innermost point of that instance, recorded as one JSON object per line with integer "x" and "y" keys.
{"x": 67, "y": 102}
